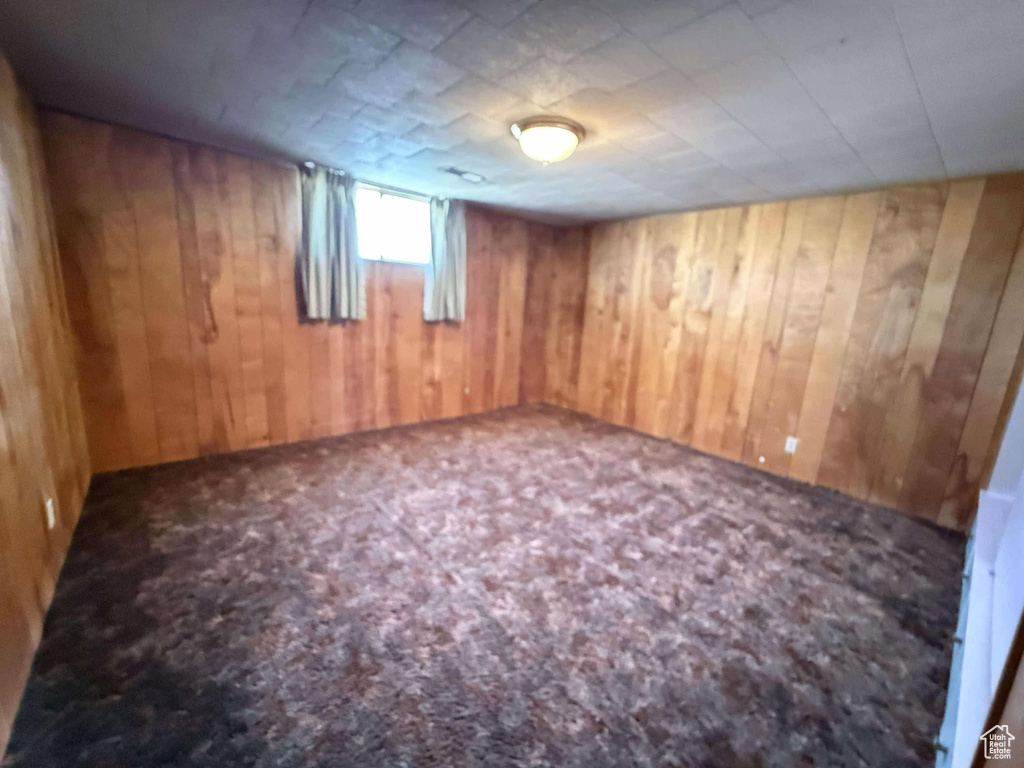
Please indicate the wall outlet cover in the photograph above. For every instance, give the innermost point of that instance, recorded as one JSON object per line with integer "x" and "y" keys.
{"x": 51, "y": 515}
{"x": 791, "y": 444}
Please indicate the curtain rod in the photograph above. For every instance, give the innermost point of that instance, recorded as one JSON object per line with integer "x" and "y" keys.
{"x": 310, "y": 165}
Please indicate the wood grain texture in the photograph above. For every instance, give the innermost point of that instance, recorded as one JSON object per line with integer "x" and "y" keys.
{"x": 555, "y": 287}
{"x": 43, "y": 451}
{"x": 185, "y": 308}
{"x": 882, "y": 329}
{"x": 844, "y": 281}
{"x": 965, "y": 343}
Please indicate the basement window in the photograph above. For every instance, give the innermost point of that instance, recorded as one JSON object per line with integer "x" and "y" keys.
{"x": 392, "y": 227}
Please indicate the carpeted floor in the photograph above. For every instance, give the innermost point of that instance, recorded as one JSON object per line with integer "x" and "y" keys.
{"x": 524, "y": 588}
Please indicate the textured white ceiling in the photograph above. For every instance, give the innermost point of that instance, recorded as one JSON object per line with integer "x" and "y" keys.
{"x": 687, "y": 103}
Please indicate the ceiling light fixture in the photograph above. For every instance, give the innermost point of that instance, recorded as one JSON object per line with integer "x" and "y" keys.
{"x": 548, "y": 139}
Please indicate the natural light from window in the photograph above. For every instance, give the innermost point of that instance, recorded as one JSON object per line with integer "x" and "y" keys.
{"x": 392, "y": 227}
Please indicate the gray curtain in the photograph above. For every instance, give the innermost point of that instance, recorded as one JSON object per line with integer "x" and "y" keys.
{"x": 444, "y": 288}
{"x": 330, "y": 270}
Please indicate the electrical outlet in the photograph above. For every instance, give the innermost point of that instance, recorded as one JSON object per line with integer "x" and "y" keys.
{"x": 51, "y": 515}
{"x": 791, "y": 444}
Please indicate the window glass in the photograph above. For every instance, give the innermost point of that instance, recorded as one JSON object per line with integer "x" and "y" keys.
{"x": 392, "y": 227}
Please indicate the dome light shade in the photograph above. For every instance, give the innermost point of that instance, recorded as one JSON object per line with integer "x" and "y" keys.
{"x": 547, "y": 139}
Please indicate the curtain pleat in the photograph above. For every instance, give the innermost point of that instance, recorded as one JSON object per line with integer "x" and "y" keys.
{"x": 330, "y": 270}
{"x": 444, "y": 289}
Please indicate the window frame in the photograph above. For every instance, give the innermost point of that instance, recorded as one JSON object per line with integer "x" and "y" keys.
{"x": 382, "y": 190}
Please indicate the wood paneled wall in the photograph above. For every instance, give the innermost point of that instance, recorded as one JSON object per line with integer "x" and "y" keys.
{"x": 180, "y": 271}
{"x": 42, "y": 440}
{"x": 553, "y": 317}
{"x": 881, "y": 329}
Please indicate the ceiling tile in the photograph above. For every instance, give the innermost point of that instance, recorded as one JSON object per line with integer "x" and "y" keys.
{"x": 498, "y": 12}
{"x": 659, "y": 94}
{"x": 479, "y": 96}
{"x": 756, "y": 7}
{"x": 687, "y": 103}
{"x": 385, "y": 120}
{"x": 600, "y": 113}
{"x": 321, "y": 99}
{"x": 839, "y": 172}
{"x": 424, "y": 22}
{"x": 331, "y": 131}
{"x": 367, "y": 83}
{"x": 781, "y": 179}
{"x": 803, "y": 25}
{"x": 435, "y": 111}
{"x": 712, "y": 41}
{"x": 420, "y": 70}
{"x": 515, "y": 112}
{"x": 478, "y": 129}
{"x": 434, "y": 138}
{"x": 352, "y": 39}
{"x": 763, "y": 95}
{"x": 485, "y": 50}
{"x": 562, "y": 29}
{"x": 969, "y": 64}
{"x": 616, "y": 63}
{"x": 651, "y": 141}
{"x": 543, "y": 81}
{"x": 648, "y": 19}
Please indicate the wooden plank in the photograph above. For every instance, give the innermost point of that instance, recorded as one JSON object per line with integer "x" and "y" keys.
{"x": 972, "y": 314}
{"x": 813, "y": 263}
{"x": 625, "y": 326}
{"x": 213, "y": 235}
{"x": 398, "y": 325}
{"x": 197, "y": 304}
{"x": 337, "y": 368}
{"x": 775, "y": 325}
{"x": 122, "y": 271}
{"x": 604, "y": 251}
{"x": 489, "y": 287}
{"x": 431, "y": 394}
{"x": 717, "y": 378}
{"x": 91, "y": 194}
{"x": 64, "y": 430}
{"x": 755, "y": 316}
{"x": 999, "y": 432}
{"x": 922, "y": 349}
{"x": 476, "y": 335}
{"x": 905, "y": 233}
{"x": 565, "y": 319}
{"x": 538, "y": 299}
{"x": 245, "y": 257}
{"x": 43, "y": 451}
{"x": 670, "y": 241}
{"x": 453, "y": 368}
{"x": 511, "y": 253}
{"x": 841, "y": 293}
{"x": 360, "y": 400}
{"x": 147, "y": 161}
{"x": 320, "y": 390}
{"x": 385, "y": 375}
{"x": 408, "y": 334}
{"x": 268, "y": 209}
{"x": 82, "y": 251}
{"x": 991, "y": 391}
{"x": 295, "y": 334}
{"x": 699, "y": 303}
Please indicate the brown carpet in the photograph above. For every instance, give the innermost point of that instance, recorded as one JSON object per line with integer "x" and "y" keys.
{"x": 524, "y": 588}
